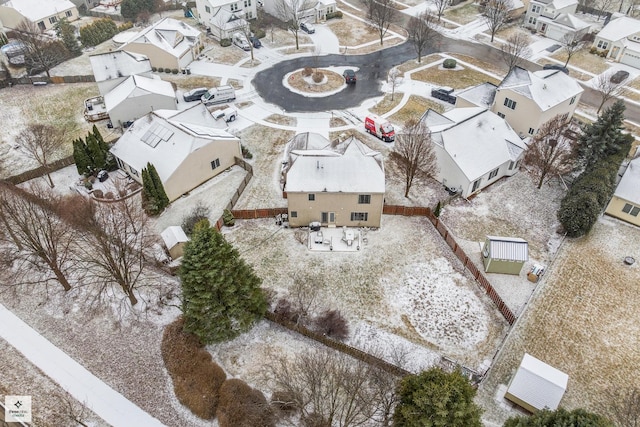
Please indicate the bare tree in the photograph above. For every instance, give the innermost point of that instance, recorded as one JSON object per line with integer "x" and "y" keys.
{"x": 304, "y": 293}
{"x": 623, "y": 406}
{"x": 70, "y": 410}
{"x": 43, "y": 250}
{"x": 608, "y": 89}
{"x": 603, "y": 7}
{"x": 42, "y": 53}
{"x": 441, "y": 6}
{"x": 41, "y": 142}
{"x": 394, "y": 78}
{"x": 515, "y": 50}
{"x": 550, "y": 153}
{"x": 572, "y": 43}
{"x": 422, "y": 32}
{"x": 290, "y": 11}
{"x": 413, "y": 157}
{"x": 381, "y": 14}
{"x": 496, "y": 14}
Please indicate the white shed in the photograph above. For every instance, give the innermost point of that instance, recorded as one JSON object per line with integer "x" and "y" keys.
{"x": 174, "y": 239}
{"x": 537, "y": 385}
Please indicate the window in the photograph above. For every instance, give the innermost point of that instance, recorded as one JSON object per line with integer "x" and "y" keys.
{"x": 476, "y": 184}
{"x": 511, "y": 164}
{"x": 325, "y": 217}
{"x": 215, "y": 163}
{"x": 531, "y": 131}
{"x": 247, "y": 3}
{"x": 634, "y": 211}
{"x": 312, "y": 197}
{"x": 572, "y": 100}
{"x": 359, "y": 216}
{"x": 603, "y": 44}
{"x": 532, "y": 20}
{"x": 53, "y": 19}
{"x": 509, "y": 103}
{"x": 68, "y": 13}
{"x": 234, "y": 7}
{"x": 501, "y": 115}
{"x": 41, "y": 26}
{"x": 207, "y": 9}
{"x": 364, "y": 199}
{"x": 630, "y": 209}
{"x": 133, "y": 171}
{"x": 493, "y": 173}
{"x": 294, "y": 214}
{"x": 536, "y": 8}
{"x": 249, "y": 14}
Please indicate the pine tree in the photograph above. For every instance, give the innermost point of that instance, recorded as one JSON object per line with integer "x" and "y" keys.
{"x": 103, "y": 145}
{"x": 604, "y": 137}
{"x": 149, "y": 196}
{"x": 560, "y": 417}
{"x": 67, "y": 33}
{"x": 98, "y": 158}
{"x": 161, "y": 195}
{"x": 81, "y": 157}
{"x": 221, "y": 295}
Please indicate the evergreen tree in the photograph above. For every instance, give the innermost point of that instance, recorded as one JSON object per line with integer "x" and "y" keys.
{"x": 604, "y": 137}
{"x": 96, "y": 154}
{"x": 67, "y": 33}
{"x": 161, "y": 195}
{"x": 81, "y": 157}
{"x": 560, "y": 417}
{"x": 221, "y": 295}
{"x": 103, "y": 145}
{"x": 435, "y": 398}
{"x": 149, "y": 196}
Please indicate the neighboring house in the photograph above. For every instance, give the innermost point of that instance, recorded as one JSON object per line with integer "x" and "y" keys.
{"x": 168, "y": 43}
{"x": 307, "y": 10}
{"x": 174, "y": 239}
{"x": 186, "y": 147}
{"x": 112, "y": 68}
{"x": 334, "y": 183}
{"x": 43, "y": 13}
{"x": 621, "y": 39}
{"x": 504, "y": 255}
{"x": 136, "y": 96}
{"x": 536, "y": 385}
{"x": 474, "y": 148}
{"x": 555, "y": 18}
{"x": 477, "y": 96}
{"x": 225, "y": 17}
{"x": 625, "y": 203}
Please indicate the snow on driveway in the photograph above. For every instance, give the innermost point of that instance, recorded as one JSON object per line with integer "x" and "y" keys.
{"x": 73, "y": 377}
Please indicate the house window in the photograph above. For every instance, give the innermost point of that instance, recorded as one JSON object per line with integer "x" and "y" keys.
{"x": 531, "y": 131}
{"x": 359, "y": 216}
{"x": 41, "y": 26}
{"x": 249, "y": 14}
{"x": 536, "y": 8}
{"x": 234, "y": 7}
{"x": 493, "y": 173}
{"x": 68, "y": 13}
{"x": 247, "y": 3}
{"x": 53, "y": 19}
{"x": 294, "y": 214}
{"x": 572, "y": 100}
{"x": 532, "y": 20}
{"x": 207, "y": 9}
{"x": 364, "y": 199}
{"x": 215, "y": 163}
{"x": 630, "y": 209}
{"x": 324, "y": 217}
{"x": 312, "y": 197}
{"x": 510, "y": 103}
{"x": 133, "y": 171}
{"x": 501, "y": 115}
{"x": 603, "y": 44}
{"x": 511, "y": 165}
{"x": 476, "y": 184}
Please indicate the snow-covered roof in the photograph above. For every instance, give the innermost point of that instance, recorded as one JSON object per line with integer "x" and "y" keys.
{"x": 173, "y": 36}
{"x": 481, "y": 95}
{"x": 629, "y": 185}
{"x": 347, "y": 167}
{"x": 567, "y": 20}
{"x": 476, "y": 139}
{"x": 538, "y": 384}
{"x": 165, "y": 140}
{"x": 547, "y": 88}
{"x": 137, "y": 86}
{"x": 557, "y": 4}
{"x": 620, "y": 28}
{"x": 509, "y": 248}
{"x": 227, "y": 20}
{"x": 37, "y": 10}
{"x": 173, "y": 235}
{"x": 112, "y": 65}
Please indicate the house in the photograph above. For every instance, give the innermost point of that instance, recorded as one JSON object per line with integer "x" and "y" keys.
{"x": 527, "y": 100}
{"x": 306, "y": 10}
{"x": 482, "y": 95}
{"x": 112, "y": 68}
{"x": 225, "y": 17}
{"x": 474, "y": 148}
{"x": 504, "y": 255}
{"x": 44, "y": 14}
{"x": 339, "y": 183}
{"x": 186, "y": 147}
{"x": 620, "y": 38}
{"x": 136, "y": 96}
{"x": 625, "y": 203}
{"x": 536, "y": 385}
{"x": 174, "y": 239}
{"x": 168, "y": 43}
{"x": 555, "y": 19}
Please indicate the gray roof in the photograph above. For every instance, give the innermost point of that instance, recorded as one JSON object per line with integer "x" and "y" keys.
{"x": 481, "y": 95}
{"x": 629, "y": 186}
{"x": 113, "y": 65}
{"x": 509, "y": 248}
{"x": 538, "y": 384}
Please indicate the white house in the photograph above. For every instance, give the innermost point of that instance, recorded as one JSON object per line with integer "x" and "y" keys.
{"x": 306, "y": 10}
{"x": 625, "y": 203}
{"x": 136, "y": 96}
{"x": 555, "y": 19}
{"x": 474, "y": 148}
{"x": 621, "y": 39}
{"x": 112, "y": 68}
{"x": 186, "y": 147}
{"x": 225, "y": 17}
{"x": 44, "y": 14}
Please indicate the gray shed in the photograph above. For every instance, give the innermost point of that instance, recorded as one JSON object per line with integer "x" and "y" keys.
{"x": 504, "y": 255}
{"x": 174, "y": 239}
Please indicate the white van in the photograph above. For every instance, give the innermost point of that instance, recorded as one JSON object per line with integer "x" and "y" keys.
{"x": 219, "y": 95}
{"x": 241, "y": 41}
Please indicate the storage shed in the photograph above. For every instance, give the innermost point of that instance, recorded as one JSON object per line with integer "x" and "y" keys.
{"x": 174, "y": 239}
{"x": 537, "y": 385}
{"x": 504, "y": 255}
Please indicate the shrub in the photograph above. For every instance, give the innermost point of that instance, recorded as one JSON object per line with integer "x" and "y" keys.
{"x": 97, "y": 194}
{"x": 197, "y": 214}
{"x": 336, "y": 14}
{"x": 333, "y": 324}
{"x": 227, "y": 218}
{"x": 593, "y": 50}
{"x": 154, "y": 69}
{"x": 578, "y": 213}
{"x": 307, "y": 71}
{"x": 284, "y": 401}
{"x": 286, "y": 310}
{"x": 246, "y": 154}
{"x": 449, "y": 63}
{"x": 318, "y": 76}
{"x": 438, "y": 209}
{"x": 168, "y": 70}
{"x": 242, "y": 406}
{"x": 315, "y": 419}
{"x": 109, "y": 195}
{"x": 174, "y": 71}
{"x": 225, "y": 42}
{"x": 98, "y": 31}
{"x": 259, "y": 33}
{"x": 160, "y": 69}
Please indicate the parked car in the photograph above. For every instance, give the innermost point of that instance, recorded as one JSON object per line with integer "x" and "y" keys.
{"x": 619, "y": 76}
{"x": 255, "y": 42}
{"x": 556, "y": 67}
{"x": 103, "y": 176}
{"x": 307, "y": 27}
{"x": 349, "y": 76}
{"x": 241, "y": 41}
{"x": 444, "y": 94}
{"x": 194, "y": 94}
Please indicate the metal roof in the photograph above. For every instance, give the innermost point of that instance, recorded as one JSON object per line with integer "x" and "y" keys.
{"x": 538, "y": 384}
{"x": 510, "y": 248}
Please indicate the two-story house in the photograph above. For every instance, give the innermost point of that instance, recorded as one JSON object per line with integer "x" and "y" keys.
{"x": 306, "y": 10}
{"x": 625, "y": 203}
{"x": 44, "y": 14}
{"x": 555, "y": 19}
{"x": 339, "y": 183}
{"x": 621, "y": 39}
{"x": 225, "y": 17}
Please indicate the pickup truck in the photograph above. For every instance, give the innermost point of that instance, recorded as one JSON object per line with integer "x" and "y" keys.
{"x": 444, "y": 94}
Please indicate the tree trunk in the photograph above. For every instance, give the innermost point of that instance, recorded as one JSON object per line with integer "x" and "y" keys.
{"x": 542, "y": 176}
{"x": 51, "y": 184}
{"x": 61, "y": 278}
{"x": 132, "y": 298}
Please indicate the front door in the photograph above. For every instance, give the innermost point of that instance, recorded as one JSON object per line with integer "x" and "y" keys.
{"x": 614, "y": 53}
{"x": 543, "y": 28}
{"x": 332, "y": 218}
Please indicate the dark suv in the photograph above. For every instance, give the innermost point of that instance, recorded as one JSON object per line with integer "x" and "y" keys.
{"x": 444, "y": 93}
{"x": 349, "y": 76}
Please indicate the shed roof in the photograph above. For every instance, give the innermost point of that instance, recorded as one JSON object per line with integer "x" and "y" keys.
{"x": 538, "y": 384}
{"x": 173, "y": 235}
{"x": 509, "y": 248}
{"x": 629, "y": 185}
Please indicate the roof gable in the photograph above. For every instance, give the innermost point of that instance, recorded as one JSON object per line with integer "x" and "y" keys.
{"x": 538, "y": 384}
{"x": 168, "y": 34}
{"x": 135, "y": 86}
{"x": 620, "y": 28}
{"x": 629, "y": 186}
{"x": 116, "y": 64}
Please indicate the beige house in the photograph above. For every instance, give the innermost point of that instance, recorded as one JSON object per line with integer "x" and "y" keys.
{"x": 43, "y": 13}
{"x": 474, "y": 148}
{"x": 504, "y": 255}
{"x": 555, "y": 19}
{"x": 334, "y": 183}
{"x": 625, "y": 203}
{"x": 112, "y": 68}
{"x": 620, "y": 38}
{"x": 186, "y": 147}
{"x": 168, "y": 43}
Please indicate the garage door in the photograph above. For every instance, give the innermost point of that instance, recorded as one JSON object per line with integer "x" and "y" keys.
{"x": 554, "y": 33}
{"x": 631, "y": 58}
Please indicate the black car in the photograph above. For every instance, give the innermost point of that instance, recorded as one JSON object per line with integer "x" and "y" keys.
{"x": 349, "y": 76}
{"x": 444, "y": 94}
{"x": 619, "y": 76}
{"x": 194, "y": 94}
{"x": 255, "y": 42}
{"x": 103, "y": 175}
{"x": 556, "y": 67}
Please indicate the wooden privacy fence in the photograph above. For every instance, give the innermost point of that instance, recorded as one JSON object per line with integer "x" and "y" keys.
{"x": 40, "y": 171}
{"x": 258, "y": 213}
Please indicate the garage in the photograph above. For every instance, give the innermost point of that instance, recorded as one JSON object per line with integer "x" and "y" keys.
{"x": 631, "y": 58}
